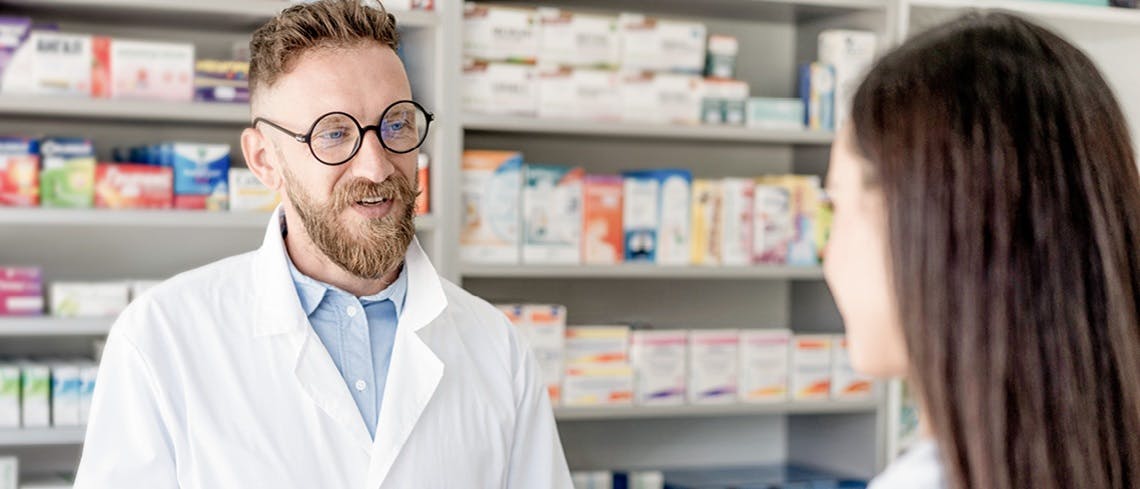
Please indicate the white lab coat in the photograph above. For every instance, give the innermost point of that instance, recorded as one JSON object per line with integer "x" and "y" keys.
{"x": 215, "y": 380}
{"x": 918, "y": 468}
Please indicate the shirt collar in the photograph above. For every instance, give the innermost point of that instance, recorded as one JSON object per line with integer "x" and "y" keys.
{"x": 312, "y": 292}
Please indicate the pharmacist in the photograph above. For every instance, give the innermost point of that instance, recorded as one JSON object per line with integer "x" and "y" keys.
{"x": 334, "y": 356}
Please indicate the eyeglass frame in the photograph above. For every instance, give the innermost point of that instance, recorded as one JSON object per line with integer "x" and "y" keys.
{"x": 307, "y": 136}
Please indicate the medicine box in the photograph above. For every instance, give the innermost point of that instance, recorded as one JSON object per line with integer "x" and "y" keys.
{"x": 578, "y": 93}
{"x": 725, "y": 102}
{"x": 602, "y": 220}
{"x": 653, "y": 44}
{"x": 580, "y": 40}
{"x": 804, "y": 206}
{"x": 50, "y": 63}
{"x": 500, "y": 88}
{"x": 143, "y": 70}
{"x": 817, "y": 89}
{"x": 88, "y": 299}
{"x": 552, "y": 214}
{"x": 706, "y": 229}
{"x": 492, "y": 183}
{"x": 67, "y": 179}
{"x": 679, "y": 98}
{"x": 846, "y": 383}
{"x": 21, "y": 291}
{"x": 851, "y": 53}
{"x": 675, "y": 219}
{"x": 221, "y": 81}
{"x": 641, "y": 216}
{"x": 811, "y": 367}
{"x": 494, "y": 33}
{"x": 772, "y": 226}
{"x": 659, "y": 366}
{"x": 545, "y": 329}
{"x": 423, "y": 184}
{"x": 9, "y": 395}
{"x": 764, "y": 362}
{"x": 598, "y": 385}
{"x": 9, "y": 472}
{"x": 593, "y": 345}
{"x": 714, "y": 357}
{"x": 19, "y": 172}
{"x": 13, "y": 33}
{"x": 738, "y": 195}
{"x": 775, "y": 113}
{"x": 88, "y": 371}
{"x": 130, "y": 186}
{"x": 722, "y": 53}
{"x": 247, "y": 193}
{"x": 35, "y": 381}
{"x": 66, "y": 384}
{"x": 201, "y": 175}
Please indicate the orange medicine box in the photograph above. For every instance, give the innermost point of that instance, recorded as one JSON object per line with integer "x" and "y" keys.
{"x": 601, "y": 223}
{"x": 19, "y": 172}
{"x": 811, "y": 367}
{"x": 132, "y": 186}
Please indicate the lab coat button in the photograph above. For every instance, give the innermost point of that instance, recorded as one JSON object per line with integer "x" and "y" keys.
{"x": 361, "y": 385}
{"x": 351, "y": 311}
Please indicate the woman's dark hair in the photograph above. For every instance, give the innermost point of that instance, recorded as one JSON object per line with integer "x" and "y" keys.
{"x": 1013, "y": 211}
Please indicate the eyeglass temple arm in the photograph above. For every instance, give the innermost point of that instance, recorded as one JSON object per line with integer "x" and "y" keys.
{"x": 299, "y": 137}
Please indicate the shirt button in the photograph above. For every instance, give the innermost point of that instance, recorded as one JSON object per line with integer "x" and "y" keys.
{"x": 351, "y": 311}
{"x": 361, "y": 385}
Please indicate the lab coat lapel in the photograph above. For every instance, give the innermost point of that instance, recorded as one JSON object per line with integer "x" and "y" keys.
{"x": 280, "y": 315}
{"x": 415, "y": 371}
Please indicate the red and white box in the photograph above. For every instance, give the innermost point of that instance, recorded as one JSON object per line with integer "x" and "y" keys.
{"x": 131, "y": 186}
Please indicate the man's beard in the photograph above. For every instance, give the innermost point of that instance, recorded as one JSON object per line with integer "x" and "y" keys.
{"x": 371, "y": 250}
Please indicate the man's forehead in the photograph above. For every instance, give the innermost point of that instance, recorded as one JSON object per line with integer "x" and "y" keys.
{"x": 362, "y": 81}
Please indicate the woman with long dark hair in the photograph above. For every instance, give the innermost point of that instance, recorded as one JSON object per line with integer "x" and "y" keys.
{"x": 987, "y": 220}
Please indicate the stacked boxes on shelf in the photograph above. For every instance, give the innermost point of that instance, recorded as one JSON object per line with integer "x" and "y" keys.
{"x": 663, "y": 217}
{"x": 622, "y": 366}
{"x": 558, "y": 64}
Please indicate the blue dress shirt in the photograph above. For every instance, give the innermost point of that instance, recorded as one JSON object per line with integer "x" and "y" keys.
{"x": 358, "y": 334}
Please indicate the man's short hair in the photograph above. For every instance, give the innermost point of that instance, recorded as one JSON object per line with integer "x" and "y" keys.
{"x": 322, "y": 24}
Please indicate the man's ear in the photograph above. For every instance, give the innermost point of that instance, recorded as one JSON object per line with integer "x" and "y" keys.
{"x": 261, "y": 159}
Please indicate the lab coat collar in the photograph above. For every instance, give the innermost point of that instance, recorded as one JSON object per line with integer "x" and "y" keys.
{"x": 279, "y": 309}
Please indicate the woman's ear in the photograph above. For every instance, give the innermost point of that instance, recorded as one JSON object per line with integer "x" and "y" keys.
{"x": 260, "y": 158}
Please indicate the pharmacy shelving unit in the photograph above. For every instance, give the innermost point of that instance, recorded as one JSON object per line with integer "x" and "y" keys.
{"x": 851, "y": 438}
{"x": 842, "y": 437}
{"x": 113, "y": 245}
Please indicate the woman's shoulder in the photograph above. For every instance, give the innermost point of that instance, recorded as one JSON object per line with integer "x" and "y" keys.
{"x": 919, "y": 468}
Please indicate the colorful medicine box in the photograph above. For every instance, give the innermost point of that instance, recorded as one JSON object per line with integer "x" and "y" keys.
{"x": 706, "y": 229}
{"x": 589, "y": 345}
{"x": 221, "y": 81}
{"x": 552, "y": 215}
{"x": 143, "y": 70}
{"x": 19, "y": 172}
{"x": 67, "y": 179}
{"x": 598, "y": 385}
{"x": 811, "y": 367}
{"x": 201, "y": 175}
{"x": 764, "y": 361}
{"x": 492, "y": 183}
{"x": 132, "y": 186}
{"x": 89, "y": 299}
{"x": 659, "y": 367}
{"x": 602, "y": 220}
{"x": 21, "y": 291}
{"x": 714, "y": 357}
{"x": 817, "y": 89}
{"x": 247, "y": 193}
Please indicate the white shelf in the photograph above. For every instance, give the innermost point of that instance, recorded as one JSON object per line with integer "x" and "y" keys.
{"x": 130, "y": 110}
{"x": 147, "y": 218}
{"x": 41, "y": 436}
{"x": 708, "y": 411}
{"x": 1104, "y": 16}
{"x": 235, "y": 14}
{"x": 643, "y": 271}
{"x": 52, "y": 326}
{"x": 647, "y": 131}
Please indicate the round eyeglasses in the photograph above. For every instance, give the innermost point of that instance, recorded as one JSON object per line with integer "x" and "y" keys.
{"x": 336, "y": 137}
